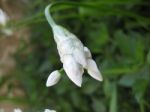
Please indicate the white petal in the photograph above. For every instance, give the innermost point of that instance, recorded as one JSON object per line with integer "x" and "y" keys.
{"x": 60, "y": 54}
{"x": 53, "y": 78}
{"x": 73, "y": 70}
{"x": 17, "y": 110}
{"x": 47, "y": 110}
{"x": 65, "y": 47}
{"x": 87, "y": 52}
{"x": 93, "y": 70}
{"x": 3, "y": 18}
{"x": 79, "y": 56}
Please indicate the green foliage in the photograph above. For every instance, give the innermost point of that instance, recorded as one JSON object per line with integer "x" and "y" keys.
{"x": 117, "y": 33}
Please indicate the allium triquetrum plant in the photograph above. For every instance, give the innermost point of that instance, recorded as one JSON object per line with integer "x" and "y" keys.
{"x": 73, "y": 54}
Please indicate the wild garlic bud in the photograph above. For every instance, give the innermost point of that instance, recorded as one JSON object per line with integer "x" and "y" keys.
{"x": 3, "y": 18}
{"x": 48, "y": 110}
{"x": 53, "y": 78}
{"x": 17, "y": 110}
{"x": 91, "y": 66}
{"x": 73, "y": 69}
{"x": 74, "y": 56}
{"x": 68, "y": 43}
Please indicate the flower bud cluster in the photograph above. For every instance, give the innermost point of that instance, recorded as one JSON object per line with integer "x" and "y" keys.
{"x": 74, "y": 56}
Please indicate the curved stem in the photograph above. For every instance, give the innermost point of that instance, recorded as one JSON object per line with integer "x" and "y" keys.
{"x": 89, "y": 5}
{"x": 38, "y": 17}
{"x": 48, "y": 16}
{"x": 74, "y": 4}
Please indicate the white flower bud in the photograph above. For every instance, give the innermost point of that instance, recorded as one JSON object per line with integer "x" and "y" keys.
{"x": 48, "y": 110}
{"x": 73, "y": 69}
{"x": 3, "y": 18}
{"x": 73, "y": 54}
{"x": 53, "y": 78}
{"x": 17, "y": 110}
{"x": 93, "y": 70}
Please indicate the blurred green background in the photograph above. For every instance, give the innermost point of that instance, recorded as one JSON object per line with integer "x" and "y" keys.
{"x": 118, "y": 34}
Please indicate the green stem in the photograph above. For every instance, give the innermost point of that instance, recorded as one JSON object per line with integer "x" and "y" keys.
{"x": 91, "y": 5}
{"x": 48, "y": 15}
{"x": 147, "y": 104}
{"x": 74, "y": 4}
{"x": 142, "y": 109}
{"x": 113, "y": 100}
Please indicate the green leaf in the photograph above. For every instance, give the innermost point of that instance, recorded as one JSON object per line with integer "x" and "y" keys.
{"x": 65, "y": 105}
{"x": 98, "y": 38}
{"x": 127, "y": 80}
{"x": 124, "y": 43}
{"x": 98, "y": 105}
{"x": 76, "y": 99}
{"x": 148, "y": 58}
{"x": 130, "y": 45}
{"x": 107, "y": 88}
{"x": 90, "y": 87}
{"x": 139, "y": 89}
{"x": 138, "y": 46}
